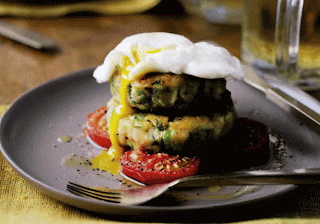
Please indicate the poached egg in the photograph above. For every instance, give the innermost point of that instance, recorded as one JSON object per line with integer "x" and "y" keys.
{"x": 143, "y": 53}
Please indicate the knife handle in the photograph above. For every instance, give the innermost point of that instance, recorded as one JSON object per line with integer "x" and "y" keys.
{"x": 26, "y": 37}
{"x": 291, "y": 105}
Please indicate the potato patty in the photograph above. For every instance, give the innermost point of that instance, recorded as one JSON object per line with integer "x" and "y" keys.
{"x": 158, "y": 91}
{"x": 186, "y": 135}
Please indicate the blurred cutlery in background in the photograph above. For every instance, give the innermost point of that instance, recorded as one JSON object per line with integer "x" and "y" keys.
{"x": 26, "y": 37}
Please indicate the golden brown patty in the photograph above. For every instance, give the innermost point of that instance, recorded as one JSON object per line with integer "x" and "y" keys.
{"x": 184, "y": 135}
{"x": 170, "y": 93}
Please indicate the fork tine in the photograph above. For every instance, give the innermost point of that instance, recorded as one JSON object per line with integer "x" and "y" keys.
{"x": 88, "y": 195}
{"x": 110, "y": 196}
{"x": 109, "y": 192}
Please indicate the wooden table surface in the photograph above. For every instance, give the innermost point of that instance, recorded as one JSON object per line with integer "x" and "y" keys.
{"x": 84, "y": 41}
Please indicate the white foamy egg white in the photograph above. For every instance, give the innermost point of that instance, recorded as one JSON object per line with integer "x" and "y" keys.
{"x": 167, "y": 52}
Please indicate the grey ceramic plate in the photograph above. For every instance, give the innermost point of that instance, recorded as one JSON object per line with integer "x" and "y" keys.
{"x": 31, "y": 128}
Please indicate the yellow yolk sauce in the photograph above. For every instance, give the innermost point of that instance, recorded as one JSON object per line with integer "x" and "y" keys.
{"x": 105, "y": 161}
{"x": 108, "y": 160}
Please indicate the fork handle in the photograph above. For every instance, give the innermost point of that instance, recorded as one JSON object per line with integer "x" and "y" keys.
{"x": 259, "y": 177}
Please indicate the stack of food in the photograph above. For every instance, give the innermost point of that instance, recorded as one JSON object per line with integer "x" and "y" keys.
{"x": 170, "y": 107}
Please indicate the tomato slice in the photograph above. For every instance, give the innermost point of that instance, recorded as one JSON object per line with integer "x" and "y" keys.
{"x": 96, "y": 128}
{"x": 245, "y": 146}
{"x": 252, "y": 143}
{"x": 252, "y": 135}
{"x": 157, "y": 168}
{"x": 247, "y": 137}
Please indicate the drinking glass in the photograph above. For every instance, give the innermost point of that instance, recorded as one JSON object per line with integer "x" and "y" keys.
{"x": 282, "y": 38}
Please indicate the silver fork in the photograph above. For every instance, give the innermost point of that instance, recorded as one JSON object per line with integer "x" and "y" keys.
{"x": 140, "y": 195}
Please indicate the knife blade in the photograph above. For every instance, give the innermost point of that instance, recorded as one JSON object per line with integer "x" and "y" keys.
{"x": 26, "y": 37}
{"x": 280, "y": 98}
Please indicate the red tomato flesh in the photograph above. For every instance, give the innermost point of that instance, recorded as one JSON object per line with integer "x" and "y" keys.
{"x": 246, "y": 145}
{"x": 157, "y": 168}
{"x": 252, "y": 145}
{"x": 96, "y": 127}
{"x": 252, "y": 135}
